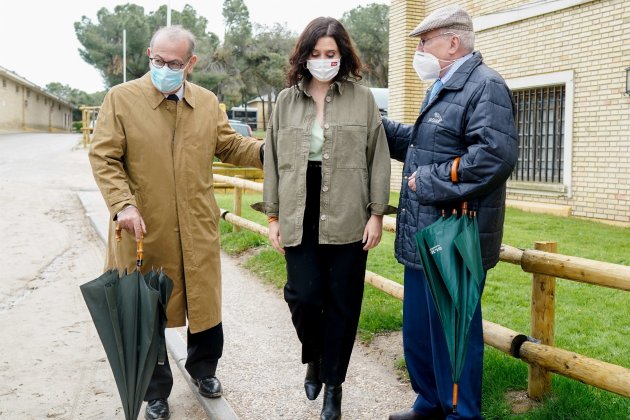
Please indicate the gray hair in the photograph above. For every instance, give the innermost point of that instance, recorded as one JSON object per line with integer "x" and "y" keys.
{"x": 176, "y": 33}
{"x": 467, "y": 38}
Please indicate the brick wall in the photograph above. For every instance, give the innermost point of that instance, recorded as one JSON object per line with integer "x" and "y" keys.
{"x": 593, "y": 41}
{"x": 405, "y": 89}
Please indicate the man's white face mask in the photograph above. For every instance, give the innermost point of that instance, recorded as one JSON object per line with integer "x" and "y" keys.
{"x": 426, "y": 65}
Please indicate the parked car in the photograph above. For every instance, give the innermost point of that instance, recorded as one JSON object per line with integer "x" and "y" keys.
{"x": 241, "y": 128}
{"x": 381, "y": 96}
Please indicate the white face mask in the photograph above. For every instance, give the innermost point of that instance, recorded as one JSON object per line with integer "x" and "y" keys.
{"x": 426, "y": 65}
{"x": 324, "y": 70}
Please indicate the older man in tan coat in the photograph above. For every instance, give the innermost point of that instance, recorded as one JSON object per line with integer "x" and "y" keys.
{"x": 152, "y": 155}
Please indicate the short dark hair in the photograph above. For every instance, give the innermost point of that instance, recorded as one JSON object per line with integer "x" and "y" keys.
{"x": 317, "y": 28}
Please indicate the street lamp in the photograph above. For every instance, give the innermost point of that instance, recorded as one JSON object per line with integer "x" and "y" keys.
{"x": 124, "y": 55}
{"x": 168, "y": 13}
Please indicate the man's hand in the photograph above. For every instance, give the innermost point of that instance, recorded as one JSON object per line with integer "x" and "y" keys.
{"x": 274, "y": 236}
{"x": 373, "y": 231}
{"x": 129, "y": 219}
{"x": 412, "y": 181}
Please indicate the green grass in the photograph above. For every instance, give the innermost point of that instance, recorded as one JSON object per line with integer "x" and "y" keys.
{"x": 590, "y": 320}
{"x": 259, "y": 134}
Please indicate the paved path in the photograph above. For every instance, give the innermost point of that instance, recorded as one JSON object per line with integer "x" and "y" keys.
{"x": 51, "y": 361}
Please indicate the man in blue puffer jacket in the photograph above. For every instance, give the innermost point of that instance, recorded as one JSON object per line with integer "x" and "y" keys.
{"x": 462, "y": 147}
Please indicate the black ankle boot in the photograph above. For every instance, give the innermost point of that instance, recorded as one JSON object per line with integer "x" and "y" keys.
{"x": 332, "y": 403}
{"x": 312, "y": 384}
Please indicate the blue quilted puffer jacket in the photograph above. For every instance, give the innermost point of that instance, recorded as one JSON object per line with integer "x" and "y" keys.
{"x": 471, "y": 117}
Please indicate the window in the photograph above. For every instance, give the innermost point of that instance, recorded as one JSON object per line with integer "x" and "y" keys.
{"x": 17, "y": 88}
{"x": 540, "y": 123}
{"x": 4, "y": 82}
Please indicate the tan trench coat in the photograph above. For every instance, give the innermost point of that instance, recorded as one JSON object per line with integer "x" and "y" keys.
{"x": 157, "y": 155}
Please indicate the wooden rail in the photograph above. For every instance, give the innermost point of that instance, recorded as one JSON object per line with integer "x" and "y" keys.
{"x": 536, "y": 349}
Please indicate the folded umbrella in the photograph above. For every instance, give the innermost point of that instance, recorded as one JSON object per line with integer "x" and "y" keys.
{"x": 451, "y": 256}
{"x": 129, "y": 313}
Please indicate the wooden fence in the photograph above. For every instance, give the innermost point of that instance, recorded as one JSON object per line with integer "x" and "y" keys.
{"x": 88, "y": 121}
{"x": 537, "y": 349}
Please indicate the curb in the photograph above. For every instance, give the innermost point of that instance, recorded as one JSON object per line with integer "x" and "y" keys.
{"x": 215, "y": 408}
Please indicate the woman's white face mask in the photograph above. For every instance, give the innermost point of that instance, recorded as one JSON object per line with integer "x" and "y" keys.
{"x": 323, "y": 70}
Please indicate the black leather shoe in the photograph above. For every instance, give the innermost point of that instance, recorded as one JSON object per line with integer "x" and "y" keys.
{"x": 332, "y": 403}
{"x": 410, "y": 415}
{"x": 157, "y": 410}
{"x": 209, "y": 387}
{"x": 312, "y": 384}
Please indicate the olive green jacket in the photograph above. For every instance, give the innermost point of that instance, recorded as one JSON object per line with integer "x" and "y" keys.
{"x": 355, "y": 163}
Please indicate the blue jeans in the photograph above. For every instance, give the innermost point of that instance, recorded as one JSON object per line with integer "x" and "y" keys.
{"x": 427, "y": 358}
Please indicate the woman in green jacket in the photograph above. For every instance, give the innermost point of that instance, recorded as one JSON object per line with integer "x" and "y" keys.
{"x": 326, "y": 190}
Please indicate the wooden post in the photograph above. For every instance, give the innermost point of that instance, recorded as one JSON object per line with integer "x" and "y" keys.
{"x": 542, "y": 324}
{"x": 238, "y": 199}
{"x": 84, "y": 126}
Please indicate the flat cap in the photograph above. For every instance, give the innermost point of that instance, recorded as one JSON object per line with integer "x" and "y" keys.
{"x": 449, "y": 17}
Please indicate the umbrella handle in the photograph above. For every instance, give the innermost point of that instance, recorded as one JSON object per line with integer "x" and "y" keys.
{"x": 139, "y": 252}
{"x": 139, "y": 245}
{"x": 118, "y": 232}
{"x": 455, "y": 392}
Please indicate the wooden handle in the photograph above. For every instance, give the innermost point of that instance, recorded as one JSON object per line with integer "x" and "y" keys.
{"x": 455, "y": 391}
{"x": 139, "y": 251}
{"x": 454, "y": 166}
{"x": 139, "y": 245}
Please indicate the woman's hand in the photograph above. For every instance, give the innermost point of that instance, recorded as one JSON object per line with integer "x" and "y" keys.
{"x": 274, "y": 236}
{"x": 373, "y": 231}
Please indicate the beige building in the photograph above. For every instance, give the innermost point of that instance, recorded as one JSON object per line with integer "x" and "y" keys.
{"x": 26, "y": 106}
{"x": 566, "y": 62}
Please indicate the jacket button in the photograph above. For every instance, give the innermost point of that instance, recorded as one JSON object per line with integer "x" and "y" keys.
{"x": 323, "y": 217}
{"x": 405, "y": 177}
{"x": 327, "y": 126}
{"x": 328, "y": 98}
{"x": 325, "y": 188}
{"x": 325, "y": 155}
{"x": 403, "y": 210}
{"x": 411, "y": 145}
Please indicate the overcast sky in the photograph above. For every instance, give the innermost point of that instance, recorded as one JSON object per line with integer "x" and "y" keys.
{"x": 37, "y": 39}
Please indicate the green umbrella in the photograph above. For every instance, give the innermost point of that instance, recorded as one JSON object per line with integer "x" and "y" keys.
{"x": 451, "y": 257}
{"x": 129, "y": 313}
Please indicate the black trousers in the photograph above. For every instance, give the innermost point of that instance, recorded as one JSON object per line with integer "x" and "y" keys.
{"x": 324, "y": 291}
{"x": 204, "y": 351}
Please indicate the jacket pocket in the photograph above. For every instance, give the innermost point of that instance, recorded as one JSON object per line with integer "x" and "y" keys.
{"x": 286, "y": 148}
{"x": 350, "y": 147}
